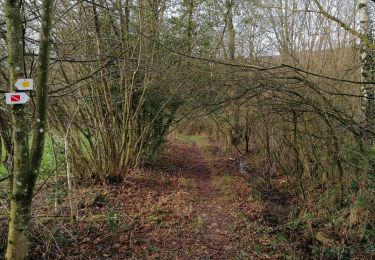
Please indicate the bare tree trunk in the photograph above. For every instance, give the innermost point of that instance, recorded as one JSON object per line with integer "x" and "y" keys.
{"x": 20, "y": 200}
{"x": 232, "y": 33}
{"x": 190, "y": 29}
{"x": 107, "y": 94}
{"x": 26, "y": 163}
{"x": 367, "y": 73}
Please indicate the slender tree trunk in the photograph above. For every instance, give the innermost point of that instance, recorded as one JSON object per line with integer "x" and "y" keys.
{"x": 231, "y": 31}
{"x": 190, "y": 29}
{"x": 99, "y": 46}
{"x": 235, "y": 131}
{"x": 26, "y": 163}
{"x": 367, "y": 73}
{"x": 20, "y": 200}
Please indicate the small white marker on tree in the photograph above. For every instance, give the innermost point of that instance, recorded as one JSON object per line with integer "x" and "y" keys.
{"x": 16, "y": 98}
{"x": 24, "y": 84}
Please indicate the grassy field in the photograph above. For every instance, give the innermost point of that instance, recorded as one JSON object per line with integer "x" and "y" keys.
{"x": 48, "y": 161}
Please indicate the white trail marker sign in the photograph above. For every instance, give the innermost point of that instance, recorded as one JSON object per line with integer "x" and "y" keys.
{"x": 16, "y": 98}
{"x": 24, "y": 84}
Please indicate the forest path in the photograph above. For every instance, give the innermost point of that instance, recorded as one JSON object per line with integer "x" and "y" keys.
{"x": 233, "y": 221}
{"x": 211, "y": 207}
{"x": 191, "y": 205}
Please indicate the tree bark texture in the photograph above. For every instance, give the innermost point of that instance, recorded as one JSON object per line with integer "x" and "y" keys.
{"x": 26, "y": 162}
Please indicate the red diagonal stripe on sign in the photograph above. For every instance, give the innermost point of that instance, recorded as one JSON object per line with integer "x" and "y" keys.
{"x": 15, "y": 98}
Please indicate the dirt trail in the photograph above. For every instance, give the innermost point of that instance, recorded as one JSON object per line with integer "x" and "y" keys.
{"x": 210, "y": 207}
{"x": 213, "y": 210}
{"x": 192, "y": 205}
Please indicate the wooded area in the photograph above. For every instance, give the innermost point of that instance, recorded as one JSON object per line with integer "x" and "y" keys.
{"x": 144, "y": 112}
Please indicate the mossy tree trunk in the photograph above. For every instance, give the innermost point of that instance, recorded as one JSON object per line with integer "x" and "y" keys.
{"x": 26, "y": 162}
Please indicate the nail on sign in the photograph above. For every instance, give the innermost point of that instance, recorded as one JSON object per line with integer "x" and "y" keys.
{"x": 16, "y": 98}
{"x": 25, "y": 84}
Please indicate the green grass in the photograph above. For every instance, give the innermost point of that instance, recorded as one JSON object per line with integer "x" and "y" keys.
{"x": 2, "y": 168}
{"x": 199, "y": 140}
{"x": 48, "y": 161}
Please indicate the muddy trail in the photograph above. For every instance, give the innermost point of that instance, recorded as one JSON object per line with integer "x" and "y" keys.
{"x": 190, "y": 205}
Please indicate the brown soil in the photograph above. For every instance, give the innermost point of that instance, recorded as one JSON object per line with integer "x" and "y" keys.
{"x": 210, "y": 206}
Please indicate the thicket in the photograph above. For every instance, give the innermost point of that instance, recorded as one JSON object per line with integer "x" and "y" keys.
{"x": 278, "y": 82}
{"x": 309, "y": 135}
